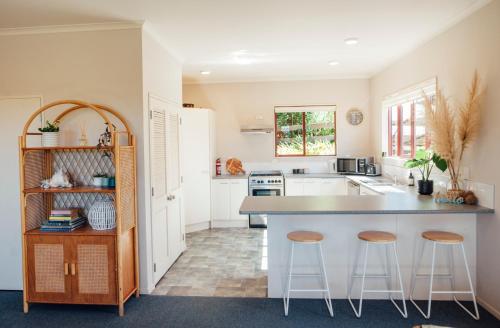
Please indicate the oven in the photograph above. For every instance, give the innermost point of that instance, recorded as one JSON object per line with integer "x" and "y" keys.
{"x": 264, "y": 184}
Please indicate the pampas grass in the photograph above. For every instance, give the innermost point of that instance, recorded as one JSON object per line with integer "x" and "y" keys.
{"x": 452, "y": 130}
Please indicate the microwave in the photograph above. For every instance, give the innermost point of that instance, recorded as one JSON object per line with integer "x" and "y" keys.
{"x": 353, "y": 165}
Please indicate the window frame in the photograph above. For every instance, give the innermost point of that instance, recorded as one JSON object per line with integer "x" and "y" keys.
{"x": 411, "y": 95}
{"x": 304, "y": 136}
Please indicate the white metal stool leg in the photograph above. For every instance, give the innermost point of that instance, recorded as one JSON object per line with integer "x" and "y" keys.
{"x": 475, "y": 316}
{"x": 360, "y": 306}
{"x": 403, "y": 312}
{"x": 389, "y": 289}
{"x": 451, "y": 276}
{"x": 286, "y": 294}
{"x": 328, "y": 298}
{"x": 429, "y": 301}
{"x": 323, "y": 277}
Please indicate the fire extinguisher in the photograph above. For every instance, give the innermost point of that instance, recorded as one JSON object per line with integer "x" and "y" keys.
{"x": 218, "y": 167}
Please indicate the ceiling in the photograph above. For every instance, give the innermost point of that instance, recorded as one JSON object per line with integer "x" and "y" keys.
{"x": 259, "y": 40}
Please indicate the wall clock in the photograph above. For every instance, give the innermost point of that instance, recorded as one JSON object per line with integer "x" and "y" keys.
{"x": 354, "y": 116}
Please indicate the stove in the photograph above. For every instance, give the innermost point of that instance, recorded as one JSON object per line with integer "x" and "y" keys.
{"x": 262, "y": 184}
{"x": 266, "y": 178}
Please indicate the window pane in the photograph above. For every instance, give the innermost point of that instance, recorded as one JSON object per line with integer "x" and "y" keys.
{"x": 320, "y": 133}
{"x": 289, "y": 135}
{"x": 421, "y": 141}
{"x": 406, "y": 130}
{"x": 394, "y": 131}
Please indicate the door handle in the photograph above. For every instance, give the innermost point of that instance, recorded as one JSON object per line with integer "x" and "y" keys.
{"x": 73, "y": 269}
{"x": 66, "y": 269}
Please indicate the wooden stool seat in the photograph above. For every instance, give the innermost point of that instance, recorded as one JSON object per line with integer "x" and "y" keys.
{"x": 377, "y": 236}
{"x": 305, "y": 236}
{"x": 443, "y": 237}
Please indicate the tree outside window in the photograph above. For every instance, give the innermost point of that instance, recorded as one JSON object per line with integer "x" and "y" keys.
{"x": 305, "y": 133}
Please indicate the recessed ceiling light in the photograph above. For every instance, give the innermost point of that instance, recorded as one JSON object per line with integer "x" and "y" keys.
{"x": 333, "y": 63}
{"x": 351, "y": 41}
{"x": 205, "y": 72}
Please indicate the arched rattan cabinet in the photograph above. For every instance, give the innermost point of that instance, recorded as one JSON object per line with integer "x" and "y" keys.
{"x": 84, "y": 266}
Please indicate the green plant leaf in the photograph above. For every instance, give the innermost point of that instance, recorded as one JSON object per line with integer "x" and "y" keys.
{"x": 439, "y": 162}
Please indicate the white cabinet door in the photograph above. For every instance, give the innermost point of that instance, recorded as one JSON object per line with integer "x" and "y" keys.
{"x": 220, "y": 200}
{"x": 312, "y": 187}
{"x": 331, "y": 187}
{"x": 238, "y": 191}
{"x": 196, "y": 162}
{"x": 294, "y": 187}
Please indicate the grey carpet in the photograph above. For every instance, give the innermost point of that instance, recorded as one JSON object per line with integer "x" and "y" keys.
{"x": 173, "y": 312}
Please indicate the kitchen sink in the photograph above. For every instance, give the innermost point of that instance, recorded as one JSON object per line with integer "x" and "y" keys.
{"x": 375, "y": 184}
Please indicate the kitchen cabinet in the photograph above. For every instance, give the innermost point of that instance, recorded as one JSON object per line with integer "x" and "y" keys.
{"x": 198, "y": 165}
{"x": 227, "y": 196}
{"x": 315, "y": 186}
{"x": 294, "y": 187}
{"x": 238, "y": 190}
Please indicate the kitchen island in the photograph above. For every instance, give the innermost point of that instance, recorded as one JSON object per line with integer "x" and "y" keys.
{"x": 341, "y": 218}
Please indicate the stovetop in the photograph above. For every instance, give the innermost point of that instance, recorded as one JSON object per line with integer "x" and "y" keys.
{"x": 266, "y": 178}
{"x": 270, "y": 173}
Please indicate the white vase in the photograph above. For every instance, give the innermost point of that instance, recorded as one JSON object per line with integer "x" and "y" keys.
{"x": 50, "y": 139}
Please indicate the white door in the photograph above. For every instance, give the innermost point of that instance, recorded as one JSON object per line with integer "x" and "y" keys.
{"x": 238, "y": 191}
{"x": 13, "y": 114}
{"x": 220, "y": 200}
{"x": 158, "y": 168}
{"x": 174, "y": 192}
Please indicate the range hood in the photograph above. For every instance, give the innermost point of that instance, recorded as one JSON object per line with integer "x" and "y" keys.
{"x": 256, "y": 130}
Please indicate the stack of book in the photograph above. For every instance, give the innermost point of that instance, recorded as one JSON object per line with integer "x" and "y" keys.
{"x": 63, "y": 220}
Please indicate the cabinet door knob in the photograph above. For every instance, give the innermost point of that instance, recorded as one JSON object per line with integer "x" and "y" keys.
{"x": 73, "y": 269}
{"x": 66, "y": 269}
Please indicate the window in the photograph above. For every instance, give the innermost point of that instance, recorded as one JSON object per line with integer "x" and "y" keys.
{"x": 406, "y": 120}
{"x": 305, "y": 131}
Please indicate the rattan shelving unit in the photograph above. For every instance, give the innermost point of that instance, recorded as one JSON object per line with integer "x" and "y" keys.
{"x": 84, "y": 266}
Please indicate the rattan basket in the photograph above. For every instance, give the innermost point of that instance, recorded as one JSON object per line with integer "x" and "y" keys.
{"x": 102, "y": 215}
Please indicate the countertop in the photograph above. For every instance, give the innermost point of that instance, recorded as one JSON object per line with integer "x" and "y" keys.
{"x": 314, "y": 176}
{"x": 229, "y": 176}
{"x": 405, "y": 203}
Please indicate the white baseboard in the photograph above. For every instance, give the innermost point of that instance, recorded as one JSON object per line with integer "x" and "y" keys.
{"x": 488, "y": 307}
{"x": 230, "y": 224}
{"x": 197, "y": 226}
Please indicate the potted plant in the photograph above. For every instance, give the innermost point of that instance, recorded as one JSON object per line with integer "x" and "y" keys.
{"x": 425, "y": 160}
{"x": 100, "y": 180}
{"x": 454, "y": 129}
{"x": 50, "y": 134}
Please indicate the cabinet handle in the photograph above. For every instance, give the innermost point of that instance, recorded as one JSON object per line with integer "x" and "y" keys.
{"x": 73, "y": 269}
{"x": 66, "y": 269}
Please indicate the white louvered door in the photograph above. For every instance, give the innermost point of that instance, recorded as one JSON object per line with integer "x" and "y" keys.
{"x": 165, "y": 185}
{"x": 158, "y": 167}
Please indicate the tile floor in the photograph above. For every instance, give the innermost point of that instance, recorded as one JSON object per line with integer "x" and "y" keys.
{"x": 225, "y": 262}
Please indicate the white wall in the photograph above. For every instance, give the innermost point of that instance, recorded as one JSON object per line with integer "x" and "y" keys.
{"x": 238, "y": 104}
{"x": 162, "y": 76}
{"x": 96, "y": 66}
{"x": 452, "y": 57}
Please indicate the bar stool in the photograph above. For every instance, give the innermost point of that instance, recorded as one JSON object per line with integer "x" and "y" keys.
{"x": 307, "y": 238}
{"x": 448, "y": 239}
{"x": 378, "y": 238}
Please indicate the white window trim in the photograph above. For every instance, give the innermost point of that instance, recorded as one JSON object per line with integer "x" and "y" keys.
{"x": 414, "y": 92}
